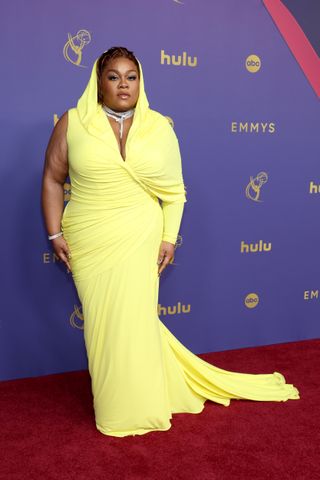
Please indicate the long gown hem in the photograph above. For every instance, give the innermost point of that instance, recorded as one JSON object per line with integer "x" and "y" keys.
{"x": 142, "y": 431}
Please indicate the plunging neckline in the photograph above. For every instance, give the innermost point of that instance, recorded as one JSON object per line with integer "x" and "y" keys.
{"x": 118, "y": 140}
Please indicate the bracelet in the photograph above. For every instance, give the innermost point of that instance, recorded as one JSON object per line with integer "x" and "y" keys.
{"x": 56, "y": 235}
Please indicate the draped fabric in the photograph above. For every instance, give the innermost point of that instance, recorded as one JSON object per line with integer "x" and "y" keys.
{"x": 114, "y": 224}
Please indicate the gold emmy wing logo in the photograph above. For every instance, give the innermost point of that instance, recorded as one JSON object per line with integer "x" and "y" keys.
{"x": 72, "y": 50}
{"x": 254, "y": 186}
{"x": 76, "y": 318}
{"x": 253, "y": 63}
{"x": 251, "y": 300}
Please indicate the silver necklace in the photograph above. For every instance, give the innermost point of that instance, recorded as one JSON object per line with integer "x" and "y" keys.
{"x": 118, "y": 116}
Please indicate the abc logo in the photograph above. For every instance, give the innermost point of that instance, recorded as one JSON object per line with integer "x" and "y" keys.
{"x": 251, "y": 300}
{"x": 253, "y": 63}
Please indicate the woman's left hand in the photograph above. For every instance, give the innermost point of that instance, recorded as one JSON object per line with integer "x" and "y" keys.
{"x": 166, "y": 255}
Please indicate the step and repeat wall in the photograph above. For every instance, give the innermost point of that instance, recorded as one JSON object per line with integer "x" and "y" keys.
{"x": 247, "y": 262}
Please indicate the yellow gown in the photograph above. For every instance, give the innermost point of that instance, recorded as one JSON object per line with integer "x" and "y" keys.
{"x": 114, "y": 223}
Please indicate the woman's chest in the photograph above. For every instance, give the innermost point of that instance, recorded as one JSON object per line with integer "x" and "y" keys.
{"x": 100, "y": 151}
{"x": 121, "y": 133}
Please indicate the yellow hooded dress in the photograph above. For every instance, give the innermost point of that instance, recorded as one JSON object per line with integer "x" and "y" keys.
{"x": 114, "y": 223}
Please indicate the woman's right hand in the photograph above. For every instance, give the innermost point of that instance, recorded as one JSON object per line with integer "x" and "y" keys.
{"x": 62, "y": 251}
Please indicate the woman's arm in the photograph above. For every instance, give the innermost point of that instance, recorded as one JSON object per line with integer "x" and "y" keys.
{"x": 172, "y": 215}
{"x": 55, "y": 172}
{"x": 172, "y": 193}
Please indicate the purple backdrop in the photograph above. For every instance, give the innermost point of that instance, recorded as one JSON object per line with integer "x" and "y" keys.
{"x": 235, "y": 126}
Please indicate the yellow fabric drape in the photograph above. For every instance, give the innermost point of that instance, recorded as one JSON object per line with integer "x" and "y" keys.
{"x": 114, "y": 225}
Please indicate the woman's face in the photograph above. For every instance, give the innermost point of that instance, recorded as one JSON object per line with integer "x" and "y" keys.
{"x": 119, "y": 84}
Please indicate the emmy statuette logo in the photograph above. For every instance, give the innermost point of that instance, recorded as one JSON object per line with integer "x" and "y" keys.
{"x": 72, "y": 50}
{"x": 253, "y": 188}
{"x": 76, "y": 318}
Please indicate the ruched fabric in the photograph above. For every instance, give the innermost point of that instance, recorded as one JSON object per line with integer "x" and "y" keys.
{"x": 114, "y": 224}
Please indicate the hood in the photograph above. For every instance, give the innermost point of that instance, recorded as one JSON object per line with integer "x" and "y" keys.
{"x": 89, "y": 109}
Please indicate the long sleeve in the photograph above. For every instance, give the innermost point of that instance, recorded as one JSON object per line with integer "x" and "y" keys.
{"x": 172, "y": 215}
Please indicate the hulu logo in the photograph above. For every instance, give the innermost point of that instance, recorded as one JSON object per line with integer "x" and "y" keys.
{"x": 178, "y": 60}
{"x": 255, "y": 247}
{"x": 174, "y": 309}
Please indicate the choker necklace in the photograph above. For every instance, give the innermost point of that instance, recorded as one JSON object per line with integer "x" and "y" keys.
{"x": 118, "y": 116}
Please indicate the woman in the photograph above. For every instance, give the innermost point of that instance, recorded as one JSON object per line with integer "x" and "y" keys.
{"x": 116, "y": 238}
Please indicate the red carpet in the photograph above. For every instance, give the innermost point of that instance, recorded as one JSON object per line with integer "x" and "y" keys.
{"x": 48, "y": 429}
